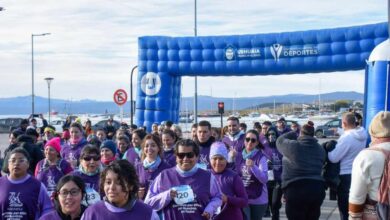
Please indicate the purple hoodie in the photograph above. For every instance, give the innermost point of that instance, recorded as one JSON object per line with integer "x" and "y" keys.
{"x": 207, "y": 195}
{"x": 231, "y": 185}
{"x": 71, "y": 153}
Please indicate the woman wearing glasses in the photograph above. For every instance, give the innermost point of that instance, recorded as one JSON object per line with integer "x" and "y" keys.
{"x": 53, "y": 167}
{"x": 67, "y": 199}
{"x": 152, "y": 163}
{"x": 185, "y": 191}
{"x": 119, "y": 182}
{"x": 22, "y": 196}
{"x": 251, "y": 165}
{"x": 89, "y": 171}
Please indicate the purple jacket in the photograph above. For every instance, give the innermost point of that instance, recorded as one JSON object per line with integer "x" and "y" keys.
{"x": 204, "y": 155}
{"x": 23, "y": 199}
{"x": 131, "y": 156}
{"x": 254, "y": 178}
{"x": 236, "y": 142}
{"x": 71, "y": 153}
{"x": 231, "y": 185}
{"x": 203, "y": 184}
{"x": 170, "y": 157}
{"x": 146, "y": 177}
{"x": 104, "y": 210}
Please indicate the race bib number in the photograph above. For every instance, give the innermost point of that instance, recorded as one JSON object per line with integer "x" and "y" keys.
{"x": 184, "y": 194}
{"x": 91, "y": 196}
{"x": 271, "y": 175}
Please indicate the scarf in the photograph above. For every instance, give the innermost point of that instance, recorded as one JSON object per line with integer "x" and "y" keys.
{"x": 152, "y": 166}
{"x": 249, "y": 155}
{"x": 236, "y": 136}
{"x": 108, "y": 161}
{"x": 138, "y": 150}
{"x": 81, "y": 169}
{"x": 186, "y": 173}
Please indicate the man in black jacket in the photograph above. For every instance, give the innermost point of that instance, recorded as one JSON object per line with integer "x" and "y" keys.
{"x": 302, "y": 183}
{"x": 27, "y": 142}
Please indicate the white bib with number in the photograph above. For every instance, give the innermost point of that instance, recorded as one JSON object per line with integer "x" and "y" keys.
{"x": 92, "y": 196}
{"x": 184, "y": 194}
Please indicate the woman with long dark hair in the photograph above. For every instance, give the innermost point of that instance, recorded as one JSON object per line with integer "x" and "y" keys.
{"x": 119, "y": 182}
{"x": 67, "y": 199}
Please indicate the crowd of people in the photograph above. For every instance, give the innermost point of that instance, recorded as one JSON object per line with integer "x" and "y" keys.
{"x": 230, "y": 173}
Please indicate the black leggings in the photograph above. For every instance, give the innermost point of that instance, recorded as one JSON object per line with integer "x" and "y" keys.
{"x": 304, "y": 199}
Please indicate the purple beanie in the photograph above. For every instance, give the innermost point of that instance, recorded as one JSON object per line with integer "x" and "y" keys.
{"x": 218, "y": 148}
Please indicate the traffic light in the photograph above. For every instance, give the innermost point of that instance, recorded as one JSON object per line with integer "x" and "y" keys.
{"x": 221, "y": 107}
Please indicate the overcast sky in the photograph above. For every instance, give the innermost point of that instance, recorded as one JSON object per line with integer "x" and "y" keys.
{"x": 93, "y": 44}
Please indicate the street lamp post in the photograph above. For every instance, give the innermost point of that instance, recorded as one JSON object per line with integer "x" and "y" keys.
{"x": 196, "y": 77}
{"x": 49, "y": 80}
{"x": 131, "y": 94}
{"x": 32, "y": 70}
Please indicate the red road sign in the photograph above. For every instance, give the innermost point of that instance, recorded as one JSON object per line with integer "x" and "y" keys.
{"x": 120, "y": 97}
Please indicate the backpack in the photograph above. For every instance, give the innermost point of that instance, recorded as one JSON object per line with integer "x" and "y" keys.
{"x": 383, "y": 205}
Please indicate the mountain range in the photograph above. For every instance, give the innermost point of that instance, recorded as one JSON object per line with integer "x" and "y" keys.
{"x": 22, "y": 104}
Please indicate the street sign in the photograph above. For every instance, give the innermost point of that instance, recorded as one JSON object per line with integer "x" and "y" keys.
{"x": 120, "y": 97}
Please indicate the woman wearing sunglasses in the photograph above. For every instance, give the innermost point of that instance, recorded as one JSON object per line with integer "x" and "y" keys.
{"x": 89, "y": 171}
{"x": 152, "y": 163}
{"x": 185, "y": 191}
{"x": 119, "y": 182}
{"x": 234, "y": 196}
{"x": 67, "y": 199}
{"x": 22, "y": 196}
{"x": 251, "y": 165}
{"x": 53, "y": 167}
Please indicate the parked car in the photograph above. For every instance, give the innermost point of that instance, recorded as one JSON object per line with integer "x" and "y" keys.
{"x": 328, "y": 129}
{"x": 58, "y": 125}
{"x": 8, "y": 124}
{"x": 103, "y": 123}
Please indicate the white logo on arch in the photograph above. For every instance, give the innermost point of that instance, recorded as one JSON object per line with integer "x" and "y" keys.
{"x": 151, "y": 83}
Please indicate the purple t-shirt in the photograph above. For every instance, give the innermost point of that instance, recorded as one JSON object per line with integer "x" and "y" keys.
{"x": 51, "y": 174}
{"x": 23, "y": 199}
{"x": 71, "y": 153}
{"x": 235, "y": 142}
{"x": 104, "y": 210}
{"x": 131, "y": 156}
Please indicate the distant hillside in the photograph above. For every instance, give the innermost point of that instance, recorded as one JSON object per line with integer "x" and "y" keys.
{"x": 22, "y": 105}
{"x": 210, "y": 103}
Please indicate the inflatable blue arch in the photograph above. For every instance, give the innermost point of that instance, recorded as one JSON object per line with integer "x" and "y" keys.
{"x": 164, "y": 60}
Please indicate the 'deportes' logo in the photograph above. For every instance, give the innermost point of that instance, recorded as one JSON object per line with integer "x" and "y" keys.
{"x": 276, "y": 50}
{"x": 230, "y": 53}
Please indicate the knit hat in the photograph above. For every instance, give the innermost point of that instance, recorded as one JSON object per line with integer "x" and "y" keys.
{"x": 308, "y": 129}
{"x": 49, "y": 129}
{"x": 54, "y": 143}
{"x": 66, "y": 134}
{"x": 218, "y": 148}
{"x": 380, "y": 125}
{"x": 111, "y": 145}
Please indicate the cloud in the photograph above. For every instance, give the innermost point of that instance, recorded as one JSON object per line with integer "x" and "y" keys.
{"x": 93, "y": 43}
